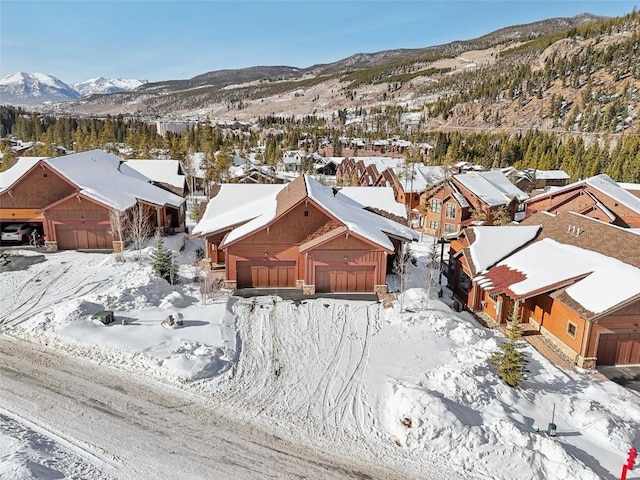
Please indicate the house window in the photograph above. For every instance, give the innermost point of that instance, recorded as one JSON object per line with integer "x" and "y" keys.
{"x": 433, "y": 225}
{"x": 436, "y": 205}
{"x": 451, "y": 210}
{"x": 449, "y": 228}
{"x": 521, "y": 207}
{"x": 572, "y": 329}
{"x": 464, "y": 282}
{"x": 494, "y": 298}
{"x": 306, "y": 213}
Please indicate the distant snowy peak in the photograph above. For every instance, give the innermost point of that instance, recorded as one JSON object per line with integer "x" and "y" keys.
{"x": 32, "y": 88}
{"x": 102, "y": 85}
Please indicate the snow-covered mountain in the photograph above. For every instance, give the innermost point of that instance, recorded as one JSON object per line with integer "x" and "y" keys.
{"x": 32, "y": 88}
{"x": 107, "y": 85}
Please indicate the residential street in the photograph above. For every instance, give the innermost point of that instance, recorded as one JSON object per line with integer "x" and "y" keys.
{"x": 130, "y": 427}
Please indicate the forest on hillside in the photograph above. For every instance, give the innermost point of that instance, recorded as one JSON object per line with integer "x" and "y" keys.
{"x": 580, "y": 156}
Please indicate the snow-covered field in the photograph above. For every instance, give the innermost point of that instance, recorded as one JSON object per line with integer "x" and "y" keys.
{"x": 412, "y": 390}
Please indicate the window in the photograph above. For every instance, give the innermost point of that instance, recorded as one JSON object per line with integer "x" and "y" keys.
{"x": 572, "y": 329}
{"x": 436, "y": 205}
{"x": 464, "y": 282}
{"x": 433, "y": 225}
{"x": 306, "y": 213}
{"x": 451, "y": 210}
{"x": 521, "y": 207}
{"x": 449, "y": 228}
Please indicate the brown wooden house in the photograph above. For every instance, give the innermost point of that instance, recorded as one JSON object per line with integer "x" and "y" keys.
{"x": 597, "y": 197}
{"x": 300, "y": 235}
{"x": 577, "y": 282}
{"x": 449, "y": 206}
{"x": 69, "y": 198}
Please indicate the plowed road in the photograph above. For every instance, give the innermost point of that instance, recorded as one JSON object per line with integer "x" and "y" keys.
{"x": 134, "y": 428}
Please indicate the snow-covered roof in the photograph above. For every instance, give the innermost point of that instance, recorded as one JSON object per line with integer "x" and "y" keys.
{"x": 545, "y": 174}
{"x": 417, "y": 178}
{"x": 605, "y": 184}
{"x": 364, "y": 223}
{"x": 607, "y": 281}
{"x": 494, "y": 243}
{"x": 380, "y": 198}
{"x": 610, "y": 187}
{"x": 9, "y": 176}
{"x": 635, "y": 187}
{"x": 98, "y": 175}
{"x": 163, "y": 171}
{"x": 368, "y": 225}
{"x": 236, "y": 203}
{"x": 492, "y": 187}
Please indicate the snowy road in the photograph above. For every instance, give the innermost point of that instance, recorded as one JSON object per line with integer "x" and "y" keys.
{"x": 130, "y": 427}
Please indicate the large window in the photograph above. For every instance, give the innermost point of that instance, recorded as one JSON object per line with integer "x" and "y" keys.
{"x": 433, "y": 225}
{"x": 449, "y": 228}
{"x": 451, "y": 210}
{"x": 436, "y": 205}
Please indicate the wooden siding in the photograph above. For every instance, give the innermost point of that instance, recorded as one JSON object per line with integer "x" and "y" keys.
{"x": 292, "y": 228}
{"x": 578, "y": 200}
{"x": 37, "y": 189}
{"x": 554, "y": 317}
{"x": 626, "y": 319}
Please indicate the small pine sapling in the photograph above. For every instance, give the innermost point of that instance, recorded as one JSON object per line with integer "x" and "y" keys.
{"x": 510, "y": 361}
{"x": 163, "y": 261}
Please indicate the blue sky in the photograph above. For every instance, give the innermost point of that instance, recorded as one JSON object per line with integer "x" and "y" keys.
{"x": 171, "y": 39}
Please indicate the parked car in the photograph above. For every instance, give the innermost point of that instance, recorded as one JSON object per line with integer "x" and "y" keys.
{"x": 16, "y": 232}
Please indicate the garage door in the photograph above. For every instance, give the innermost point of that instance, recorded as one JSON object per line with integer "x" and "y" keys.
{"x": 345, "y": 278}
{"x": 266, "y": 274}
{"x": 619, "y": 349}
{"x": 70, "y": 237}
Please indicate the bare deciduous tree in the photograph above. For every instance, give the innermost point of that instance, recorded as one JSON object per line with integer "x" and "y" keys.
{"x": 139, "y": 228}
{"x": 119, "y": 226}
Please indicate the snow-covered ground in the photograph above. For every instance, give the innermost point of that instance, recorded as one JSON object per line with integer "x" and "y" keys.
{"x": 413, "y": 389}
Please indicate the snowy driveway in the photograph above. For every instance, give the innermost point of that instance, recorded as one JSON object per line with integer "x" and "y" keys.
{"x": 130, "y": 427}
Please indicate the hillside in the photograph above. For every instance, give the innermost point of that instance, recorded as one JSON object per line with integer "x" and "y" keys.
{"x": 469, "y": 84}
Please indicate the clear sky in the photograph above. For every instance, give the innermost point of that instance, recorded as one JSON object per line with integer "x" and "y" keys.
{"x": 173, "y": 39}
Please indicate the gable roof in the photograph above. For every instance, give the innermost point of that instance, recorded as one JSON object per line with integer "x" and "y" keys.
{"x": 493, "y": 243}
{"x": 235, "y": 204}
{"x": 492, "y": 187}
{"x": 365, "y": 224}
{"x": 16, "y": 171}
{"x": 602, "y": 183}
{"x": 98, "y": 175}
{"x": 162, "y": 171}
{"x": 597, "y": 283}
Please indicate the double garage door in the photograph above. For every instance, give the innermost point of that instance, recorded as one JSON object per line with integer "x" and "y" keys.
{"x": 266, "y": 274}
{"x": 619, "y": 349}
{"x": 345, "y": 278}
{"x": 70, "y": 237}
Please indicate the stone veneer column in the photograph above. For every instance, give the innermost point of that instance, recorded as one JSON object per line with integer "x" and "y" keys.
{"x": 309, "y": 290}
{"x": 51, "y": 246}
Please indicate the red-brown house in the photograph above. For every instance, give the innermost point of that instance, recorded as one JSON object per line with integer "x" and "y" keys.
{"x": 597, "y": 197}
{"x": 299, "y": 235}
{"x": 69, "y": 198}
{"x": 448, "y": 207}
{"x": 573, "y": 278}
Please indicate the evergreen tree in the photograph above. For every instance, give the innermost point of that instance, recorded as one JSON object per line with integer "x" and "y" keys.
{"x": 510, "y": 361}
{"x": 163, "y": 261}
